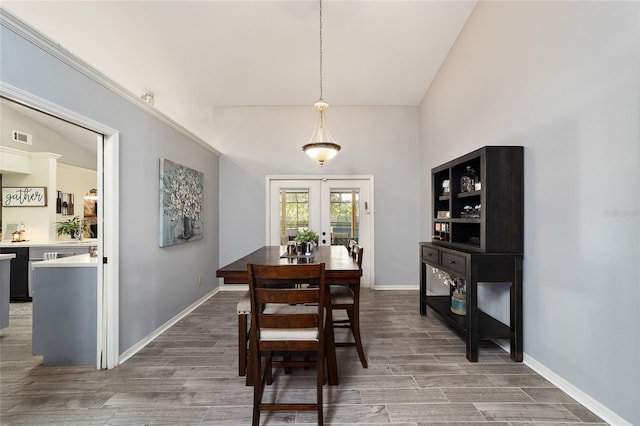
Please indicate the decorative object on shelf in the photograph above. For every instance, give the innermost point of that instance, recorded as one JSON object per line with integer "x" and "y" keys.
{"x": 459, "y": 303}
{"x": 442, "y": 230}
{"x": 321, "y": 146}
{"x": 471, "y": 212}
{"x": 307, "y": 239}
{"x": 468, "y": 181}
{"x": 443, "y": 214}
{"x": 70, "y": 211}
{"x": 59, "y": 202}
{"x": 445, "y": 186}
{"x": 181, "y": 198}
{"x": 18, "y": 235}
{"x": 24, "y": 196}
{"x": 73, "y": 227}
{"x": 458, "y": 291}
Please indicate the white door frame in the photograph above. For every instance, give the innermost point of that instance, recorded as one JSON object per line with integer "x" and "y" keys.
{"x": 368, "y": 210}
{"x": 108, "y": 177}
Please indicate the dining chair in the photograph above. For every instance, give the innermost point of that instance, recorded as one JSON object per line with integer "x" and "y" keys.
{"x": 285, "y": 320}
{"x": 244, "y": 310}
{"x": 347, "y": 298}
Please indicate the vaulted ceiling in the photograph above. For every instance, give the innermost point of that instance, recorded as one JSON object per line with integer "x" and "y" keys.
{"x": 229, "y": 53}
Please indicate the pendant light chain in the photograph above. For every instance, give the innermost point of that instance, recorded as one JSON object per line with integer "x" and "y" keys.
{"x": 321, "y": 50}
{"x": 321, "y": 147}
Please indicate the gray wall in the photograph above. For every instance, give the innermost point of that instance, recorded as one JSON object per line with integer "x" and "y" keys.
{"x": 155, "y": 283}
{"x": 562, "y": 79}
{"x": 378, "y": 141}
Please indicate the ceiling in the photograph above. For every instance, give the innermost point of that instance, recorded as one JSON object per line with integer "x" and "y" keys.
{"x": 230, "y": 53}
{"x": 77, "y": 135}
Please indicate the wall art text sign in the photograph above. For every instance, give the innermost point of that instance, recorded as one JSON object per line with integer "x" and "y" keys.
{"x": 24, "y": 196}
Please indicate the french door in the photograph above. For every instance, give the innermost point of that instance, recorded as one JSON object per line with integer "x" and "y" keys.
{"x": 338, "y": 208}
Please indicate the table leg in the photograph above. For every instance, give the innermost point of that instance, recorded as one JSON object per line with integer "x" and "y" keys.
{"x": 516, "y": 312}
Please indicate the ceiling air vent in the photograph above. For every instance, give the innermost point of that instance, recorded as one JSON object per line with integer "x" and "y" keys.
{"x": 21, "y": 137}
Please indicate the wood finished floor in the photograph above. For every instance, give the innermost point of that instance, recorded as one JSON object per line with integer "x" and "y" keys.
{"x": 417, "y": 375}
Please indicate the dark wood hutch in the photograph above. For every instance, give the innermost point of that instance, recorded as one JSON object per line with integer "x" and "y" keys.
{"x": 477, "y": 224}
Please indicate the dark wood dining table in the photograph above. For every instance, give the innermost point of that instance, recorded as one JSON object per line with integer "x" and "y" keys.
{"x": 340, "y": 268}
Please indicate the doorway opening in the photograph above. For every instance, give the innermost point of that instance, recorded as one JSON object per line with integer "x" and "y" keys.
{"x": 102, "y": 141}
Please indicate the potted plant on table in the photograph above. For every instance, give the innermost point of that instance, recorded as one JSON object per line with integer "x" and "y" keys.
{"x": 307, "y": 238}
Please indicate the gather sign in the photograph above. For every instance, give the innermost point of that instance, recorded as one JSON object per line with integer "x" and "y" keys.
{"x": 24, "y": 196}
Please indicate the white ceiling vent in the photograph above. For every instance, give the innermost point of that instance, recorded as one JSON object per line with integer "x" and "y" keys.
{"x": 22, "y": 137}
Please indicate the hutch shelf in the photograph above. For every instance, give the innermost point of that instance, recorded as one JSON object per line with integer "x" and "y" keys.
{"x": 477, "y": 225}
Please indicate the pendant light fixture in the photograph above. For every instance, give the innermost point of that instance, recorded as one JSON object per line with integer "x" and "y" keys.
{"x": 321, "y": 146}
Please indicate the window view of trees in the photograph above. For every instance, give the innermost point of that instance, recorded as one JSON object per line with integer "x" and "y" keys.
{"x": 294, "y": 213}
{"x": 345, "y": 215}
{"x": 344, "y": 209}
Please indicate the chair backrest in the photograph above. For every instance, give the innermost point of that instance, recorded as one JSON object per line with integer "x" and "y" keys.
{"x": 356, "y": 253}
{"x": 275, "y": 285}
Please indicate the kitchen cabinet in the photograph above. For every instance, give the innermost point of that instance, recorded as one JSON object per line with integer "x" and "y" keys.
{"x": 5, "y": 277}
{"x": 19, "y": 273}
{"x": 65, "y": 311}
{"x": 36, "y": 254}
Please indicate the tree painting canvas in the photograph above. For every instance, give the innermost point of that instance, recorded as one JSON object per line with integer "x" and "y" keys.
{"x": 181, "y": 194}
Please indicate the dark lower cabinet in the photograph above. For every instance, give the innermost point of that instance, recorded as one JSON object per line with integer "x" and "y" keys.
{"x": 19, "y": 273}
{"x": 474, "y": 268}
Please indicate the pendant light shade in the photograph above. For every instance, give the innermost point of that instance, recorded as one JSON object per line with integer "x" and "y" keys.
{"x": 321, "y": 146}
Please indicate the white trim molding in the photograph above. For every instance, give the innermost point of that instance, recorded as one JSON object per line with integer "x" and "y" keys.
{"x": 567, "y": 387}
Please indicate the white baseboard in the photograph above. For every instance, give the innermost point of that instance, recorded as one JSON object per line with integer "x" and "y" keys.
{"x": 164, "y": 327}
{"x": 396, "y": 287}
{"x": 581, "y": 397}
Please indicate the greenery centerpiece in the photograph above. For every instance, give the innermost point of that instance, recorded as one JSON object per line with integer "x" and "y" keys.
{"x": 308, "y": 238}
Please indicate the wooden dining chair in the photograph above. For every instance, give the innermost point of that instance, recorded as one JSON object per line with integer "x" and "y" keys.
{"x": 244, "y": 310}
{"x": 285, "y": 320}
{"x": 348, "y": 298}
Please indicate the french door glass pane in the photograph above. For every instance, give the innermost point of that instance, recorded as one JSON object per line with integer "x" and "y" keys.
{"x": 294, "y": 213}
{"x": 345, "y": 215}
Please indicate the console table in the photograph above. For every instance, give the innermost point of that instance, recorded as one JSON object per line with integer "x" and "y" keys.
{"x": 475, "y": 267}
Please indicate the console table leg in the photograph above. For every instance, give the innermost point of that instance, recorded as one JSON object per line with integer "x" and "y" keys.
{"x": 472, "y": 321}
{"x": 516, "y": 312}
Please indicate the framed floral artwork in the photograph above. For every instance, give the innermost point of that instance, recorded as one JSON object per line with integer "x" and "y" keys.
{"x": 181, "y": 195}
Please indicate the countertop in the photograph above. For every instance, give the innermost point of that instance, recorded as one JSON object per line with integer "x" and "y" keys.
{"x": 65, "y": 243}
{"x": 79, "y": 261}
